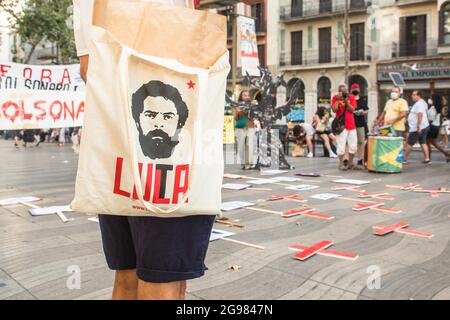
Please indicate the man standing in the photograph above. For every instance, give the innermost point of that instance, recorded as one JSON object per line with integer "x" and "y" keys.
{"x": 361, "y": 112}
{"x": 418, "y": 127}
{"x": 245, "y": 134}
{"x": 149, "y": 264}
{"x": 344, "y": 105}
{"x": 395, "y": 112}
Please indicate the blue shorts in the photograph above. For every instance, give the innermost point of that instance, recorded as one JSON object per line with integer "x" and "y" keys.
{"x": 415, "y": 137}
{"x": 161, "y": 250}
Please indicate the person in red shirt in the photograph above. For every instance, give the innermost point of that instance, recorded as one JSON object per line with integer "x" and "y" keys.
{"x": 343, "y": 102}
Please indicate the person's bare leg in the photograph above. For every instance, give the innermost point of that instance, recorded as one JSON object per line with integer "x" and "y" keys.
{"x": 408, "y": 150}
{"x": 125, "y": 285}
{"x": 426, "y": 152}
{"x": 341, "y": 162}
{"x": 161, "y": 291}
{"x": 326, "y": 142}
{"x": 309, "y": 143}
{"x": 438, "y": 147}
{"x": 350, "y": 160}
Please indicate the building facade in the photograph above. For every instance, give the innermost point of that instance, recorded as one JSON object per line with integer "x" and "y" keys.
{"x": 411, "y": 37}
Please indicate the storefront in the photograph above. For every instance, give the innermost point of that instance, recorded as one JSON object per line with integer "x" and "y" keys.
{"x": 432, "y": 77}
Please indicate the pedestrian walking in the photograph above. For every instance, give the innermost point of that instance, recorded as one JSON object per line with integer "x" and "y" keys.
{"x": 418, "y": 127}
{"x": 434, "y": 119}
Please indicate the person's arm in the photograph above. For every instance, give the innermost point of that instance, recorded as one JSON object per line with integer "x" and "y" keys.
{"x": 351, "y": 104}
{"x": 335, "y": 104}
{"x": 419, "y": 117}
{"x": 84, "y": 63}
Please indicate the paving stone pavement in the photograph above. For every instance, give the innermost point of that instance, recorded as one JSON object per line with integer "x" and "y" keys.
{"x": 36, "y": 252}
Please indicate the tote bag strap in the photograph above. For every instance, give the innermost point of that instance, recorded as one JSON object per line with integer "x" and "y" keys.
{"x": 123, "y": 78}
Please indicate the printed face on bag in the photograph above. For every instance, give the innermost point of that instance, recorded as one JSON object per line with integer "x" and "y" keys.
{"x": 160, "y": 113}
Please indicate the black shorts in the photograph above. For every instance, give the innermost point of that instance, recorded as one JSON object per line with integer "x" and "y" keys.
{"x": 415, "y": 137}
{"x": 434, "y": 132}
{"x": 161, "y": 250}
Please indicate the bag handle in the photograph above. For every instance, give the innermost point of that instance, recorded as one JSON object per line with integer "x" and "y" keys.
{"x": 124, "y": 76}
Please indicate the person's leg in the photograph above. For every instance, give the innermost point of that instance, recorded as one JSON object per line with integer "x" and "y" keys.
{"x": 413, "y": 137}
{"x": 326, "y": 142}
{"x": 309, "y": 144}
{"x": 162, "y": 291}
{"x": 251, "y": 146}
{"x": 361, "y": 135}
{"x": 164, "y": 265}
{"x": 240, "y": 139}
{"x": 423, "y": 142}
{"x": 352, "y": 142}
{"x": 125, "y": 285}
{"x": 341, "y": 146}
{"x": 120, "y": 255}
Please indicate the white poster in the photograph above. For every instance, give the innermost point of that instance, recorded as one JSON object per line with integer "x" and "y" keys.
{"x": 38, "y": 97}
{"x": 248, "y": 46}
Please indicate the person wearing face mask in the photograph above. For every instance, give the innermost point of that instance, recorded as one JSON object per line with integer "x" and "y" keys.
{"x": 434, "y": 119}
{"x": 395, "y": 112}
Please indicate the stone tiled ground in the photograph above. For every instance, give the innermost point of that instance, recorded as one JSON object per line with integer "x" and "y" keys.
{"x": 36, "y": 252}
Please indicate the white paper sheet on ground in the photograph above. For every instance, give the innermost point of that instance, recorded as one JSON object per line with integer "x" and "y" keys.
{"x": 49, "y": 210}
{"x": 93, "y": 219}
{"x": 260, "y": 181}
{"x": 5, "y": 202}
{"x": 219, "y": 234}
{"x": 326, "y": 196}
{"x": 235, "y": 186}
{"x": 302, "y": 187}
{"x": 272, "y": 172}
{"x": 232, "y": 176}
{"x": 352, "y": 181}
{"x": 285, "y": 179}
{"x": 234, "y": 205}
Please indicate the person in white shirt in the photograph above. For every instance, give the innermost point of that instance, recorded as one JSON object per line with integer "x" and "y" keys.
{"x": 435, "y": 126}
{"x": 418, "y": 127}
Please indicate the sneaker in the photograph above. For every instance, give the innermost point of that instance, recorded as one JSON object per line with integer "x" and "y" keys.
{"x": 346, "y": 162}
{"x": 427, "y": 162}
{"x": 310, "y": 155}
{"x": 360, "y": 163}
{"x": 333, "y": 155}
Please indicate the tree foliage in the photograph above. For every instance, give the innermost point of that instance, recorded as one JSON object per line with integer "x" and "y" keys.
{"x": 40, "y": 21}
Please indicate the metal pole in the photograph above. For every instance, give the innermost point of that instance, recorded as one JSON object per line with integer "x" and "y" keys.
{"x": 346, "y": 43}
{"x": 234, "y": 51}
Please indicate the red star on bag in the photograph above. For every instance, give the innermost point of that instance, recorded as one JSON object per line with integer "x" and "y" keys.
{"x": 191, "y": 84}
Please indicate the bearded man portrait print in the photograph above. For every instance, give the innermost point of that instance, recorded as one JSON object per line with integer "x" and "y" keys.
{"x": 159, "y": 113}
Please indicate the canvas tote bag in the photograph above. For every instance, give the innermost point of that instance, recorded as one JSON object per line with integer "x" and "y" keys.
{"x": 153, "y": 130}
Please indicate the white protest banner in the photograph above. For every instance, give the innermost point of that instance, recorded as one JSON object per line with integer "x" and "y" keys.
{"x": 248, "y": 46}
{"x": 16, "y": 76}
{"x": 28, "y": 109}
{"x": 38, "y": 97}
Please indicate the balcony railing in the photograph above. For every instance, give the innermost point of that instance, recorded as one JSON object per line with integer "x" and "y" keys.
{"x": 334, "y": 56}
{"x": 315, "y": 8}
{"x": 405, "y": 50}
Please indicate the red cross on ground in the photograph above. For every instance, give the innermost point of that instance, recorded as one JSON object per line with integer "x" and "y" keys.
{"x": 381, "y": 230}
{"x": 407, "y": 187}
{"x": 310, "y": 251}
{"x": 289, "y": 197}
{"x": 327, "y": 253}
{"x": 350, "y": 188}
{"x": 366, "y": 206}
{"x": 306, "y": 212}
{"x": 434, "y": 193}
{"x": 376, "y": 195}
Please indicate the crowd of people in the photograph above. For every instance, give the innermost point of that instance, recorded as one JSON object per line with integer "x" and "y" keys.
{"x": 421, "y": 123}
{"x": 34, "y": 137}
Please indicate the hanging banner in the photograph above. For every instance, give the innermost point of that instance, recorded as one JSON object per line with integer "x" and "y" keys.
{"x": 40, "y": 97}
{"x": 16, "y": 76}
{"x": 248, "y": 46}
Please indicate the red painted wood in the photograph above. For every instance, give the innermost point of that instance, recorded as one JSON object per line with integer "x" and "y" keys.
{"x": 388, "y": 229}
{"x": 372, "y": 195}
{"x": 282, "y": 196}
{"x": 366, "y": 206}
{"x": 298, "y": 199}
{"x": 296, "y": 212}
{"x": 388, "y": 210}
{"x": 351, "y": 188}
{"x": 310, "y": 251}
{"x": 328, "y": 253}
{"x": 415, "y": 233}
{"x": 409, "y": 186}
{"x": 318, "y": 216}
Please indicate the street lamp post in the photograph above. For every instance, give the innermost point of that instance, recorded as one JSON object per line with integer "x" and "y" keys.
{"x": 346, "y": 43}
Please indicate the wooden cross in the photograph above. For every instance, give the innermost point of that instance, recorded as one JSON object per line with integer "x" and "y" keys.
{"x": 381, "y": 230}
{"x": 327, "y": 253}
